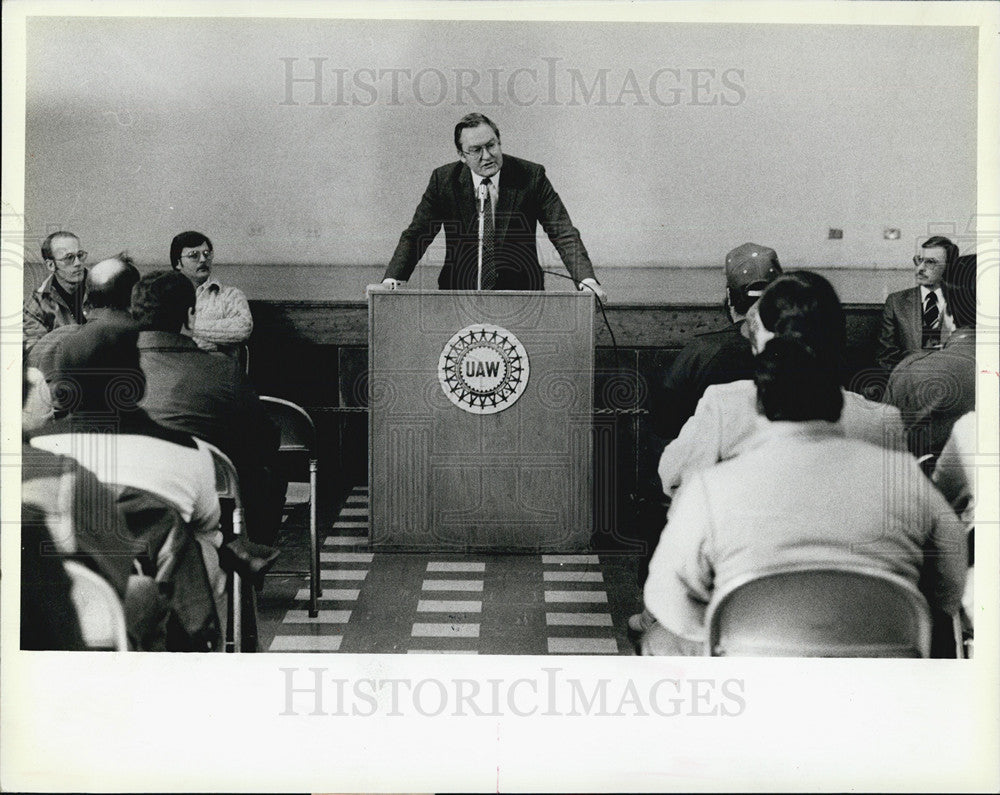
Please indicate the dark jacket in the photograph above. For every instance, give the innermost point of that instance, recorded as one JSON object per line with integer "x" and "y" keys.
{"x": 902, "y": 328}
{"x": 716, "y": 357}
{"x": 206, "y": 395}
{"x": 526, "y": 199}
{"x": 933, "y": 388}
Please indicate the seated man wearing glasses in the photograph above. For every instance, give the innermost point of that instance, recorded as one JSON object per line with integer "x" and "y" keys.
{"x": 222, "y": 316}
{"x": 58, "y": 301}
{"x": 490, "y": 205}
{"x": 917, "y": 318}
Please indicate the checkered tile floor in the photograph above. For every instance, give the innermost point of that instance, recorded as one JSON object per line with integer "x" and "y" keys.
{"x": 440, "y": 603}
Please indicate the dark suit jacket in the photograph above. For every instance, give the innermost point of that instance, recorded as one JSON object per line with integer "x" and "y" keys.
{"x": 205, "y": 395}
{"x": 526, "y": 199}
{"x": 902, "y": 327}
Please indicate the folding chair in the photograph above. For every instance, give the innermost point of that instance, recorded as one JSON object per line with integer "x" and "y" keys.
{"x": 227, "y": 485}
{"x": 819, "y": 611}
{"x": 298, "y": 444}
{"x": 98, "y": 608}
{"x": 243, "y": 357}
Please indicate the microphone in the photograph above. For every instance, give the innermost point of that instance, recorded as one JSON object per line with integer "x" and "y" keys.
{"x": 482, "y": 197}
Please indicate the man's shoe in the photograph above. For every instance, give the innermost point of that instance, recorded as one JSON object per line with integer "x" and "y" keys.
{"x": 251, "y": 561}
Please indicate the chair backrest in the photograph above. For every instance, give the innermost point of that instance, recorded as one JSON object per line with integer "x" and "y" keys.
{"x": 227, "y": 486}
{"x": 811, "y": 611}
{"x": 227, "y": 482}
{"x": 298, "y": 433}
{"x": 101, "y": 615}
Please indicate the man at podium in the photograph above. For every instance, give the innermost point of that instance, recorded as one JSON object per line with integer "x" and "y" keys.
{"x": 490, "y": 206}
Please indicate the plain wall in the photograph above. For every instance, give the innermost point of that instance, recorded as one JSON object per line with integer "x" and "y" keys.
{"x": 140, "y": 128}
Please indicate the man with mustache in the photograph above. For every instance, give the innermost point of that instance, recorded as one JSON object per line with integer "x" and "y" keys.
{"x": 222, "y": 316}
{"x": 917, "y": 318}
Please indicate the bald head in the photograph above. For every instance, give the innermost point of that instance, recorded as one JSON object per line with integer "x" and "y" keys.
{"x": 110, "y": 283}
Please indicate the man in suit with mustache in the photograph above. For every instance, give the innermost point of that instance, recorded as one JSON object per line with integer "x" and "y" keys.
{"x": 916, "y": 319}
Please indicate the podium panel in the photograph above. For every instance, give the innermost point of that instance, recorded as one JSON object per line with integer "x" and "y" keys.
{"x": 481, "y": 420}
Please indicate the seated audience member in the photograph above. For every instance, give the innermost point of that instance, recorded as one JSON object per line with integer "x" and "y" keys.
{"x": 917, "y": 318}
{"x": 222, "y": 321}
{"x": 58, "y": 301}
{"x": 717, "y": 357}
{"x": 955, "y": 477}
{"x": 801, "y": 493}
{"x": 109, "y": 291}
{"x": 99, "y": 383}
{"x": 801, "y": 305}
{"x": 65, "y": 512}
{"x": 208, "y": 397}
{"x": 955, "y": 472}
{"x": 933, "y": 388}
{"x": 49, "y": 621}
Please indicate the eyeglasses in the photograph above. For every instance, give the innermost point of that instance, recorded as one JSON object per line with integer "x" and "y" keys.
{"x": 477, "y": 151}
{"x": 196, "y": 256}
{"x": 73, "y": 256}
{"x": 918, "y": 260}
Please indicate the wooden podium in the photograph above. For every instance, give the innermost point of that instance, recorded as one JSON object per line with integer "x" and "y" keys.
{"x": 480, "y": 420}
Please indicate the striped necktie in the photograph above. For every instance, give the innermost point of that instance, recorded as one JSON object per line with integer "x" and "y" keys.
{"x": 931, "y": 321}
{"x": 489, "y": 240}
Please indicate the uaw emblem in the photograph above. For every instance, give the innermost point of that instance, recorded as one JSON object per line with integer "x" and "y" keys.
{"x": 483, "y": 369}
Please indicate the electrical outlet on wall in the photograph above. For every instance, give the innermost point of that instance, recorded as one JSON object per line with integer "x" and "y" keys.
{"x": 835, "y": 234}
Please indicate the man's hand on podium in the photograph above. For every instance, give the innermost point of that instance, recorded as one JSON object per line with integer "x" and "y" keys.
{"x": 594, "y": 287}
{"x": 387, "y": 284}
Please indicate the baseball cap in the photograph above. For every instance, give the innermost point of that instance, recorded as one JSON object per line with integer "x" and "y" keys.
{"x": 750, "y": 268}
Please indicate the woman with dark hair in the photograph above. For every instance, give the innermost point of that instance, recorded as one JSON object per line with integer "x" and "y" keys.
{"x": 798, "y": 305}
{"x": 800, "y": 493}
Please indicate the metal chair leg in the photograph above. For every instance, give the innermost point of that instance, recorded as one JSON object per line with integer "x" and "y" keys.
{"x": 237, "y": 589}
{"x": 313, "y": 545}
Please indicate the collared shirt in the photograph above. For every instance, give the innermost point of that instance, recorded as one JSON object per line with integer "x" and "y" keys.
{"x": 924, "y": 290}
{"x": 947, "y": 324}
{"x": 494, "y": 188}
{"x": 222, "y": 319}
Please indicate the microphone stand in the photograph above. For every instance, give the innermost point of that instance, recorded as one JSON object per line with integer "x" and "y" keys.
{"x": 482, "y": 215}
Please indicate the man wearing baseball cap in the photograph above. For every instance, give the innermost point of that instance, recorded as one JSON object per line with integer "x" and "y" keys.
{"x": 717, "y": 357}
